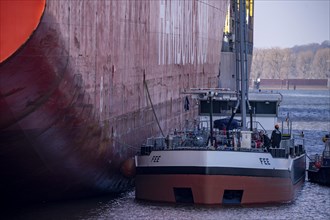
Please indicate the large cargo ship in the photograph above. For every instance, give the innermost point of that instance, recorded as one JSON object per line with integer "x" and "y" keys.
{"x": 82, "y": 84}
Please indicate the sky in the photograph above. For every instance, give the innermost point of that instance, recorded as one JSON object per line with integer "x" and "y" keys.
{"x": 286, "y": 23}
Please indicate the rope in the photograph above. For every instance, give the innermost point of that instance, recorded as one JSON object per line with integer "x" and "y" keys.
{"x": 152, "y": 107}
{"x": 131, "y": 149}
{"x": 309, "y": 157}
{"x": 124, "y": 144}
{"x": 154, "y": 112}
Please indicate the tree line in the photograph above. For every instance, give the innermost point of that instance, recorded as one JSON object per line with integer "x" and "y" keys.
{"x": 310, "y": 61}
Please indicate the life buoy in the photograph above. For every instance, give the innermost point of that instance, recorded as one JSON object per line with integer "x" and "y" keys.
{"x": 317, "y": 164}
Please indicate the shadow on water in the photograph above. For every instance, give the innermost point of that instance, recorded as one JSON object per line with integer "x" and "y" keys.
{"x": 68, "y": 209}
{"x": 312, "y": 202}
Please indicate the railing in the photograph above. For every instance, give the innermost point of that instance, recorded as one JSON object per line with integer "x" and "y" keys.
{"x": 255, "y": 125}
{"x": 197, "y": 137}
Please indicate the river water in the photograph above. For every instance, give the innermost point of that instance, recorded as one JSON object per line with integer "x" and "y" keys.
{"x": 310, "y": 113}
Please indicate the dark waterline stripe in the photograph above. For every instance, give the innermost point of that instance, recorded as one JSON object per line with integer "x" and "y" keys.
{"x": 214, "y": 171}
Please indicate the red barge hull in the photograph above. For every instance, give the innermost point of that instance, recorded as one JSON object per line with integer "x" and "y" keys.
{"x": 81, "y": 91}
{"x": 219, "y": 185}
{"x": 210, "y": 190}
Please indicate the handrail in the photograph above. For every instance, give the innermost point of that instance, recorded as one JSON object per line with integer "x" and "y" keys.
{"x": 258, "y": 123}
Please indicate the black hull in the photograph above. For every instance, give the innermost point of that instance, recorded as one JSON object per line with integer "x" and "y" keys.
{"x": 320, "y": 176}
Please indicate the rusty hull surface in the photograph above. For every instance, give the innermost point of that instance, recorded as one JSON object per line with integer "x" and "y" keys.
{"x": 73, "y": 103}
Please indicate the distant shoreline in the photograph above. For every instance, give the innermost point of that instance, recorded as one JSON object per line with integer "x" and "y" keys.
{"x": 294, "y": 84}
{"x": 291, "y": 88}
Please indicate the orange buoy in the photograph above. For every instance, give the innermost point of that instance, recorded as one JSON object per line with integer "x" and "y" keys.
{"x": 128, "y": 168}
{"x": 18, "y": 20}
{"x": 317, "y": 164}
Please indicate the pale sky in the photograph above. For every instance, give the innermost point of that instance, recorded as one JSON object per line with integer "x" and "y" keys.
{"x": 286, "y": 23}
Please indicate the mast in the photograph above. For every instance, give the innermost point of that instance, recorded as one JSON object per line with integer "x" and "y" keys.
{"x": 243, "y": 60}
{"x": 237, "y": 39}
{"x": 210, "y": 98}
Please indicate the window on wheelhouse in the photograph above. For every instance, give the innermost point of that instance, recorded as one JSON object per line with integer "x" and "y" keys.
{"x": 225, "y": 108}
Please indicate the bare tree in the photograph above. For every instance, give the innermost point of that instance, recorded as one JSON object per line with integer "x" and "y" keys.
{"x": 258, "y": 63}
{"x": 305, "y": 60}
{"x": 321, "y": 63}
{"x": 276, "y": 61}
{"x": 286, "y": 63}
{"x": 292, "y": 65}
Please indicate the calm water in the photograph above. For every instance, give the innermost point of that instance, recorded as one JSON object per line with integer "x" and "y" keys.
{"x": 310, "y": 111}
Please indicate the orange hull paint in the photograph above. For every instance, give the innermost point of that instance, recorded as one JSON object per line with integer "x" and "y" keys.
{"x": 18, "y": 19}
{"x": 209, "y": 189}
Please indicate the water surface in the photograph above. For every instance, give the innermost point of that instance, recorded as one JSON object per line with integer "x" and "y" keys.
{"x": 310, "y": 113}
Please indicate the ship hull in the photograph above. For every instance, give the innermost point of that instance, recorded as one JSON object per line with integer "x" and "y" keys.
{"x": 320, "y": 175}
{"x": 211, "y": 189}
{"x": 85, "y": 90}
{"x": 223, "y": 182}
{"x": 319, "y": 167}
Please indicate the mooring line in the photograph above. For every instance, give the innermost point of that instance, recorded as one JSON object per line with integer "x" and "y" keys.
{"x": 152, "y": 107}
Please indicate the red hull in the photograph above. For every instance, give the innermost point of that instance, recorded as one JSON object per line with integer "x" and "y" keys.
{"x": 209, "y": 189}
{"x": 73, "y": 100}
